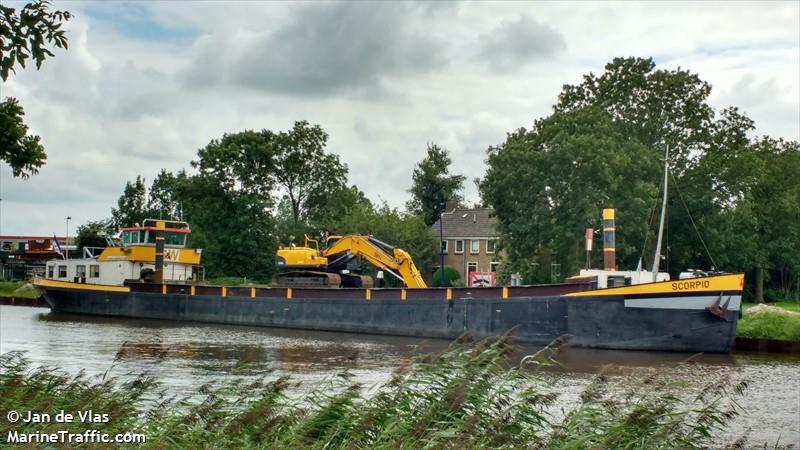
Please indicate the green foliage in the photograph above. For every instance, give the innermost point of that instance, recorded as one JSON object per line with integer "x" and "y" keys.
{"x": 234, "y": 228}
{"x": 303, "y": 170}
{"x": 770, "y": 322}
{"x": 468, "y": 396}
{"x": 18, "y": 289}
{"x": 132, "y": 205}
{"x": 23, "y": 152}
{"x": 433, "y": 185}
{"x": 548, "y": 184}
{"x": 93, "y": 234}
{"x": 25, "y": 35}
{"x": 450, "y": 276}
{"x": 734, "y": 201}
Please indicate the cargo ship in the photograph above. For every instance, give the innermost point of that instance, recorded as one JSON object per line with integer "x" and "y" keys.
{"x": 152, "y": 274}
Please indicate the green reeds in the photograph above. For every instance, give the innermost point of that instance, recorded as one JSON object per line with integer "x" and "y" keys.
{"x": 472, "y": 395}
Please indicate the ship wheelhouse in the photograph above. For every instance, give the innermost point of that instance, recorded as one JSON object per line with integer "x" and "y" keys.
{"x": 133, "y": 257}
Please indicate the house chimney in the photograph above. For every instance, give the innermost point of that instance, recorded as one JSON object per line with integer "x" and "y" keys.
{"x": 609, "y": 231}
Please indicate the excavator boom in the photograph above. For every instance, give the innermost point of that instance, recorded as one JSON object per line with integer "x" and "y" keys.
{"x": 380, "y": 255}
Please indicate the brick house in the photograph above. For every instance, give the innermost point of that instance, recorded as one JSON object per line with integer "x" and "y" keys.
{"x": 468, "y": 240}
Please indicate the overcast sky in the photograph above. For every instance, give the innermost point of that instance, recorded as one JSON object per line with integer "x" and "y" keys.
{"x": 143, "y": 86}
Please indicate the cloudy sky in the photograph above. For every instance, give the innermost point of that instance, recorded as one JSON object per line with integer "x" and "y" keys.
{"x": 143, "y": 86}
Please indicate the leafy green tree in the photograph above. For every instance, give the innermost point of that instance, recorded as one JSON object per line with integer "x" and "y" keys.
{"x": 229, "y": 202}
{"x": 23, "y": 152}
{"x": 303, "y": 170}
{"x": 93, "y": 234}
{"x": 233, "y": 227}
{"x": 163, "y": 201}
{"x": 132, "y": 207}
{"x": 23, "y": 36}
{"x": 433, "y": 185}
{"x": 548, "y": 184}
{"x": 658, "y": 107}
{"x": 26, "y": 34}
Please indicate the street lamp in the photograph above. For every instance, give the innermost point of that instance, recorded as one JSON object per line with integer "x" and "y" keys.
{"x": 66, "y": 238}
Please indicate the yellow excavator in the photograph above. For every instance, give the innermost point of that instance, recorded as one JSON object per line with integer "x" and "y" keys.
{"x": 337, "y": 264}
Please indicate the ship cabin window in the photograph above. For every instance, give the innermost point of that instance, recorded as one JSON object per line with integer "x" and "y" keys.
{"x": 173, "y": 239}
{"x": 131, "y": 237}
{"x": 474, "y": 246}
{"x": 62, "y": 271}
{"x": 80, "y": 271}
{"x": 94, "y": 271}
{"x": 459, "y": 246}
{"x": 50, "y": 269}
{"x": 176, "y": 239}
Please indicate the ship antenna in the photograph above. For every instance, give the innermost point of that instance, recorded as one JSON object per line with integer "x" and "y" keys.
{"x": 657, "y": 257}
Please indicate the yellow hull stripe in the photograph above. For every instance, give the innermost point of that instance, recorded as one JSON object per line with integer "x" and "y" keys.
{"x": 45, "y": 283}
{"x": 733, "y": 282}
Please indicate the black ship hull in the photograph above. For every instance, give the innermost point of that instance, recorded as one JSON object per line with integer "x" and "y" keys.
{"x": 663, "y": 323}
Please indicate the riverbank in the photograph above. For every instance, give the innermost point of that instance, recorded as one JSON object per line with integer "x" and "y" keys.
{"x": 775, "y": 321}
{"x": 467, "y": 396}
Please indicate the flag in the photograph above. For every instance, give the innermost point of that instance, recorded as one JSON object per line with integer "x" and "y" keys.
{"x": 58, "y": 247}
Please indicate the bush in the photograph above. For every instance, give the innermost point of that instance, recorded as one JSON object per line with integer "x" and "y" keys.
{"x": 769, "y": 322}
{"x": 450, "y": 276}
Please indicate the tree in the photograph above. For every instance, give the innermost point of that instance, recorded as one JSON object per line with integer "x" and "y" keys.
{"x": 229, "y": 202}
{"x": 132, "y": 206}
{"x": 549, "y": 183}
{"x": 24, "y": 36}
{"x": 162, "y": 199}
{"x": 433, "y": 185}
{"x": 23, "y": 152}
{"x": 659, "y": 107}
{"x": 302, "y": 168}
{"x": 93, "y": 234}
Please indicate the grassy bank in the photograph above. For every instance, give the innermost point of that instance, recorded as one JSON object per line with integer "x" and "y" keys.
{"x": 469, "y": 396}
{"x": 18, "y": 289}
{"x": 780, "y": 321}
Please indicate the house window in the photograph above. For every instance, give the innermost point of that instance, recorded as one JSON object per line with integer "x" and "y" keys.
{"x": 459, "y": 246}
{"x": 472, "y": 266}
{"x": 490, "y": 246}
{"x": 94, "y": 271}
{"x": 50, "y": 272}
{"x": 493, "y": 266}
{"x": 62, "y": 271}
{"x": 444, "y": 247}
{"x": 80, "y": 271}
{"x": 474, "y": 246}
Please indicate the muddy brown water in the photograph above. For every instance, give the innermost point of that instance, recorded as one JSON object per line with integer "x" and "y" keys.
{"x": 184, "y": 356}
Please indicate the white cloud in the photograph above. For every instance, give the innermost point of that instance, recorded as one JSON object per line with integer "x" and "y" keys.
{"x": 381, "y": 79}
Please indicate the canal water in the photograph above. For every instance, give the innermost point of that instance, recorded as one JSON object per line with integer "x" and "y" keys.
{"x": 184, "y": 356}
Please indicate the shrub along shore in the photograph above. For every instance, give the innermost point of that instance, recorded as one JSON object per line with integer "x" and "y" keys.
{"x": 472, "y": 395}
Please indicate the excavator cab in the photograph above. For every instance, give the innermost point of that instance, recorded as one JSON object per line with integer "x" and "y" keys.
{"x": 305, "y": 257}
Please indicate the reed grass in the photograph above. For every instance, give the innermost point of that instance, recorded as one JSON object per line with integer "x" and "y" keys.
{"x": 470, "y": 396}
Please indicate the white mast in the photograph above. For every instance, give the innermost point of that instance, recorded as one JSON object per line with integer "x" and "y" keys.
{"x": 657, "y": 257}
